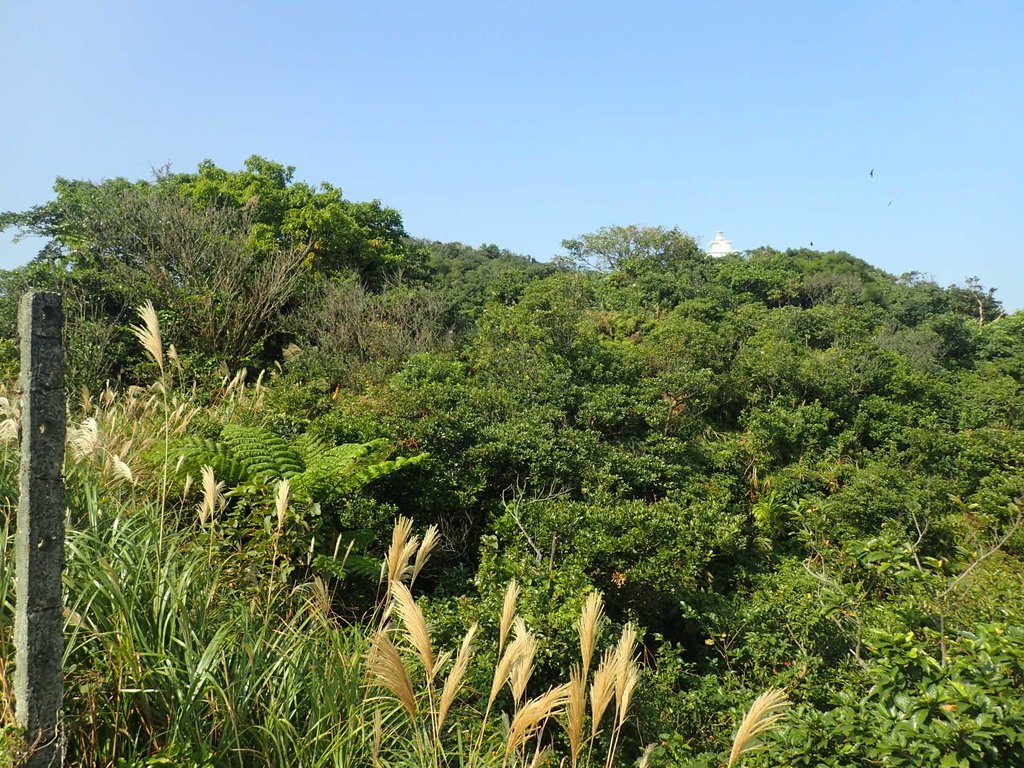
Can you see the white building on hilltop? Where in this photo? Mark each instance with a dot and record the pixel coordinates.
(720, 246)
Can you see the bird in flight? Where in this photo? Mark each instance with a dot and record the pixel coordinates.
(890, 203)
(871, 173)
(812, 243)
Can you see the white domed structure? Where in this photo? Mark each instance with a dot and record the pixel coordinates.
(720, 246)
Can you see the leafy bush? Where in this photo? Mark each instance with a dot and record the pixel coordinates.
(957, 709)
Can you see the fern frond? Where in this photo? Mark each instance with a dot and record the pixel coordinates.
(367, 474)
(189, 455)
(267, 456)
(309, 447)
(344, 469)
(313, 450)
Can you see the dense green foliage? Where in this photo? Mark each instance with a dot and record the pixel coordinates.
(786, 468)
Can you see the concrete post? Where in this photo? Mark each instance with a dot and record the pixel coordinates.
(39, 542)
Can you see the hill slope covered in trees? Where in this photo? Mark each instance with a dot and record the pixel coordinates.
(784, 469)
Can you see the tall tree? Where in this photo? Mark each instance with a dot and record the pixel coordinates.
(221, 253)
(627, 247)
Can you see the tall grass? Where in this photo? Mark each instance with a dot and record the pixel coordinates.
(168, 657)
(6, 621)
(165, 654)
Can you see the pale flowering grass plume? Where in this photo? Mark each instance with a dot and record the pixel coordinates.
(213, 500)
(532, 716)
(187, 487)
(86, 401)
(540, 757)
(764, 716)
(625, 651)
(385, 668)
(84, 440)
(257, 392)
(632, 679)
(602, 690)
(235, 394)
(125, 447)
(179, 419)
(522, 669)
(453, 683)
(10, 419)
(415, 624)
(575, 711)
(281, 502)
(403, 546)
(148, 334)
(587, 626)
(508, 612)
(172, 355)
(522, 645)
(8, 431)
(9, 406)
(127, 424)
(108, 396)
(378, 736)
(626, 675)
(318, 602)
(401, 647)
(120, 471)
(234, 385)
(426, 548)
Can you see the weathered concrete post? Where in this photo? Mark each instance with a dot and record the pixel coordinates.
(39, 542)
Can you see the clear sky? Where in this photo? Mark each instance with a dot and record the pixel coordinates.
(524, 123)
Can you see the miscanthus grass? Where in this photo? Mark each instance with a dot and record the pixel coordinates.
(166, 655)
(415, 685)
(170, 661)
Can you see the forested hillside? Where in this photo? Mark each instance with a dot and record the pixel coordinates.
(781, 469)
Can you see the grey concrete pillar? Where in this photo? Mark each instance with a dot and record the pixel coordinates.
(39, 542)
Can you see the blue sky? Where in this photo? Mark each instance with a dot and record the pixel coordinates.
(525, 123)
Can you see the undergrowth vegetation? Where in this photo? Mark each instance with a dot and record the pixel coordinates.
(652, 507)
